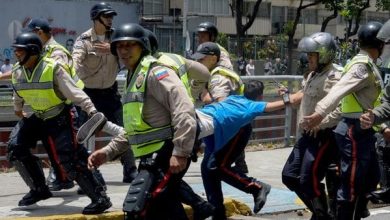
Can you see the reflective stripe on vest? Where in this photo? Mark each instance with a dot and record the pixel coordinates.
(231, 74)
(349, 104)
(143, 138)
(177, 63)
(38, 91)
(48, 52)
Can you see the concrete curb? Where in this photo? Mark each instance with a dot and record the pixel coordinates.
(233, 207)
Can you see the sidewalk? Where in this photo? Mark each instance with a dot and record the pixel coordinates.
(66, 204)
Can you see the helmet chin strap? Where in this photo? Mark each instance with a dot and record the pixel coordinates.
(108, 28)
(25, 59)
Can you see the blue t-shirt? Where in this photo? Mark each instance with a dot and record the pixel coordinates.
(230, 115)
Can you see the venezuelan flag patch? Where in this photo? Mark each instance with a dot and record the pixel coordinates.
(162, 74)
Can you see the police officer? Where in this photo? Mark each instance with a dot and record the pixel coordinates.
(47, 86)
(52, 49)
(195, 76)
(192, 73)
(223, 83)
(381, 114)
(98, 69)
(307, 164)
(159, 120)
(358, 90)
(208, 32)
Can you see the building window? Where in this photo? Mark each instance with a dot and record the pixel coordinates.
(153, 7)
(209, 7)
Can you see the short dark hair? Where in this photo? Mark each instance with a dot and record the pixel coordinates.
(253, 89)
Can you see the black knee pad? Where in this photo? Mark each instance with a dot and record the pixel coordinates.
(138, 195)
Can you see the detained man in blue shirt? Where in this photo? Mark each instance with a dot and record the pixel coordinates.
(219, 124)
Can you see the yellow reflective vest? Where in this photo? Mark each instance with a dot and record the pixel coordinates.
(143, 138)
(350, 104)
(177, 63)
(48, 52)
(38, 89)
(231, 74)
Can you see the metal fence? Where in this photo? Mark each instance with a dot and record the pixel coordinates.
(269, 127)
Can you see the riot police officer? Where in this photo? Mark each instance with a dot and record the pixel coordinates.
(208, 32)
(159, 119)
(48, 87)
(98, 69)
(358, 90)
(381, 114)
(195, 76)
(307, 164)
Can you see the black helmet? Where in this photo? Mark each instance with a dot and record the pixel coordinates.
(321, 43)
(209, 28)
(130, 31)
(152, 40)
(101, 8)
(367, 35)
(28, 41)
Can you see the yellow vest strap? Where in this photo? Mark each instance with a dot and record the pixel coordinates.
(35, 85)
(50, 113)
(133, 97)
(161, 134)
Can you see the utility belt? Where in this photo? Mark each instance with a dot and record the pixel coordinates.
(51, 113)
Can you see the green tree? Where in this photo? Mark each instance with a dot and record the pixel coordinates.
(352, 12)
(331, 5)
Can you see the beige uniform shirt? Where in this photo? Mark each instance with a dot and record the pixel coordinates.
(221, 86)
(316, 87)
(65, 88)
(96, 70)
(166, 102)
(359, 80)
(199, 76)
(57, 54)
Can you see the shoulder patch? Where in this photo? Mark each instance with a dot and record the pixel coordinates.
(331, 75)
(161, 73)
(360, 71)
(78, 44)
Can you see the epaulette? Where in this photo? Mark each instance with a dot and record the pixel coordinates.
(85, 36)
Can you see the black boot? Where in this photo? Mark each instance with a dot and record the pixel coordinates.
(361, 210)
(201, 208)
(30, 169)
(55, 184)
(345, 210)
(95, 191)
(34, 196)
(320, 208)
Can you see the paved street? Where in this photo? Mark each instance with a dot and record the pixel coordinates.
(265, 165)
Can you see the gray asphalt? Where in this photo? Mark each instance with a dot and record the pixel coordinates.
(264, 165)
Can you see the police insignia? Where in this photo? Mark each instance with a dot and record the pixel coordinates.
(139, 81)
(360, 72)
(78, 44)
